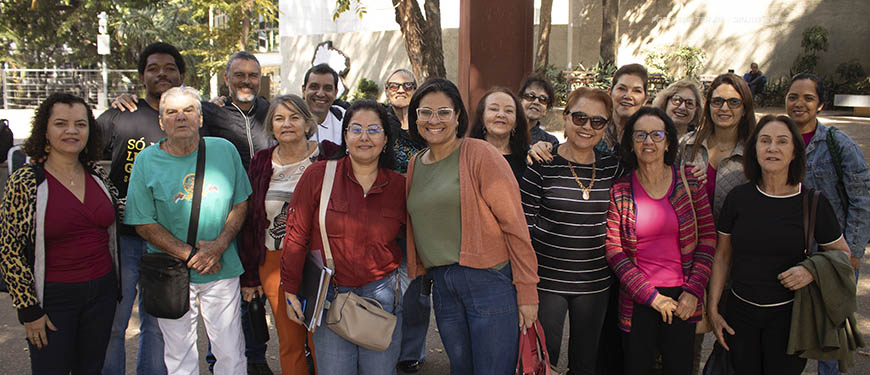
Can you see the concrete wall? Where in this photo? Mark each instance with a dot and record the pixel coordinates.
(732, 33)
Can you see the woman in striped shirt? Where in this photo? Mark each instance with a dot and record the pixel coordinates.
(660, 243)
(565, 203)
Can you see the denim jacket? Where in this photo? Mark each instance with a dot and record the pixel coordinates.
(822, 176)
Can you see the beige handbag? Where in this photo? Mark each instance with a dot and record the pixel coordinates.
(362, 321)
(704, 325)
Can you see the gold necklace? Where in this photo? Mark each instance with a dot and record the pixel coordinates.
(64, 176)
(584, 189)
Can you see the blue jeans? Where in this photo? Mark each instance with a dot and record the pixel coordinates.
(82, 313)
(415, 317)
(337, 356)
(477, 316)
(833, 367)
(150, 353)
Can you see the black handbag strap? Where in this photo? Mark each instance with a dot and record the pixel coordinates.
(809, 212)
(197, 195)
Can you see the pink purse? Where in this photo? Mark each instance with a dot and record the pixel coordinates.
(533, 358)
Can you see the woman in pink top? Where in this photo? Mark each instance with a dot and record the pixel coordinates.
(660, 242)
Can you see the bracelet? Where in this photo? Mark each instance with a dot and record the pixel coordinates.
(192, 253)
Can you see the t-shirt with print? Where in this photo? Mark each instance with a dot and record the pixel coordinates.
(125, 135)
(161, 191)
(281, 186)
(767, 238)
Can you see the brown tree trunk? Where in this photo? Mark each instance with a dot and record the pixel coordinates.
(542, 57)
(422, 36)
(246, 25)
(609, 23)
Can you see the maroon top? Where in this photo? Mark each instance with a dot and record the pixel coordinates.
(361, 228)
(710, 185)
(76, 233)
(808, 137)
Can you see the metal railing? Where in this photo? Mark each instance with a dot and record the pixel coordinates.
(26, 88)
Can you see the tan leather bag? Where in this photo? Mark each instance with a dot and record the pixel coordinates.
(362, 321)
(704, 325)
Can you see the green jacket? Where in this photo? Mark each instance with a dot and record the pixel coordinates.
(823, 325)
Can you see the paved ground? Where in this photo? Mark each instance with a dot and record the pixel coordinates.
(14, 358)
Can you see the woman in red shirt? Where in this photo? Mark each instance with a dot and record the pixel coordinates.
(58, 229)
(365, 212)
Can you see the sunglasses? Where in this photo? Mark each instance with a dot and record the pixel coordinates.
(733, 103)
(640, 136)
(543, 99)
(580, 118)
(408, 86)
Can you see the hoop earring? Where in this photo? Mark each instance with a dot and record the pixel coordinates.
(47, 149)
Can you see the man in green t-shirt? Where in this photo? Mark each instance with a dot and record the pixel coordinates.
(159, 200)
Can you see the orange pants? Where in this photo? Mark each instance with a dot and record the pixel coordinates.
(291, 336)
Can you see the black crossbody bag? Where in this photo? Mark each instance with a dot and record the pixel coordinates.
(164, 280)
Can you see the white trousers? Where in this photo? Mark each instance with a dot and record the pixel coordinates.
(220, 305)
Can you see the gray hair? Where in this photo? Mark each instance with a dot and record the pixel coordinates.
(181, 91)
(244, 55)
(295, 103)
(402, 70)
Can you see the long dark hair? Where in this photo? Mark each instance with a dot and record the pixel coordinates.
(746, 124)
(387, 159)
(34, 146)
(519, 138)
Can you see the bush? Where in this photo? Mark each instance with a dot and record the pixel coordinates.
(676, 62)
(815, 39)
(366, 89)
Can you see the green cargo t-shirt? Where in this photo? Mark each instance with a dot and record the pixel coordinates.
(161, 191)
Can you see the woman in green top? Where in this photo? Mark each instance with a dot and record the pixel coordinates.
(485, 276)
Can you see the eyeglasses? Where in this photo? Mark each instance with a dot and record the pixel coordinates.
(580, 118)
(408, 86)
(640, 136)
(427, 114)
(543, 99)
(679, 100)
(371, 130)
(733, 103)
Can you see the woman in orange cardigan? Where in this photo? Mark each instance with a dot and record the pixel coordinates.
(466, 229)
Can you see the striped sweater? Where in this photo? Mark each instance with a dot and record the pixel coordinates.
(621, 244)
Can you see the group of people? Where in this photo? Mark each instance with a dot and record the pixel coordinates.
(630, 228)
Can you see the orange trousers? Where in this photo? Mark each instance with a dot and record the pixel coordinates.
(291, 336)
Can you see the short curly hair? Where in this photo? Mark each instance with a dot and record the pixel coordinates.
(34, 146)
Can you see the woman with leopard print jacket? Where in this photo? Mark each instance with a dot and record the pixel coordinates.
(58, 243)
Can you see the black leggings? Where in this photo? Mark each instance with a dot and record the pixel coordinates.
(650, 336)
(586, 316)
(760, 339)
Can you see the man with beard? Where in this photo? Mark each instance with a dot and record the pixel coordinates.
(126, 133)
(239, 119)
(319, 88)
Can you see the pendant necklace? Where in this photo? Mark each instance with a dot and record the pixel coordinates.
(584, 189)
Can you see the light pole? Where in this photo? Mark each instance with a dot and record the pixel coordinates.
(103, 49)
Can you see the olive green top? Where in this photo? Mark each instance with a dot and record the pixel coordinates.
(434, 207)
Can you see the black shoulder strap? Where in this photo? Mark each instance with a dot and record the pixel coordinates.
(197, 194)
(811, 205)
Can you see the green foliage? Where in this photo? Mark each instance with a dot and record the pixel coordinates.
(602, 73)
(64, 33)
(676, 62)
(554, 75)
(774, 92)
(366, 89)
(342, 6)
(815, 39)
